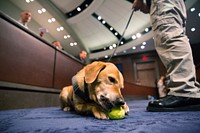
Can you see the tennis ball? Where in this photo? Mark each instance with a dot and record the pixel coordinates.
(116, 113)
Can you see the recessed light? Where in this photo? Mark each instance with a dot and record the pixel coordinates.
(142, 47)
(49, 20)
(138, 35)
(71, 44)
(146, 29)
(134, 37)
(39, 11)
(78, 9)
(53, 19)
(133, 47)
(61, 28)
(43, 10)
(144, 43)
(110, 47)
(193, 29)
(75, 43)
(65, 37)
(58, 29)
(192, 9)
(99, 18)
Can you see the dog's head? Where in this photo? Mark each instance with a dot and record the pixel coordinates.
(104, 83)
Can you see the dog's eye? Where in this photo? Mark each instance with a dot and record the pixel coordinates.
(112, 79)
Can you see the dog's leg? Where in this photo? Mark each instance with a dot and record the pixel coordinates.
(66, 98)
(91, 108)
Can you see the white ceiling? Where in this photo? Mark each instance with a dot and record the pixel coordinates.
(89, 33)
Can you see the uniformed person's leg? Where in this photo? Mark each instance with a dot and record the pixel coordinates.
(168, 22)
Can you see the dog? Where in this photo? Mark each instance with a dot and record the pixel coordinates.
(95, 90)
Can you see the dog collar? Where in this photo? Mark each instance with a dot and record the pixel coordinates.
(82, 94)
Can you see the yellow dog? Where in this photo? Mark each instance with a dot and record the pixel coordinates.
(95, 90)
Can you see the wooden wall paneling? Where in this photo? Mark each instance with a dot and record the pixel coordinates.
(24, 58)
(65, 69)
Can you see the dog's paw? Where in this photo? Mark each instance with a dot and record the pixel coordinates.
(66, 109)
(100, 114)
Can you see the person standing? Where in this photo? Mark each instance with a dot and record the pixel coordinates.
(57, 45)
(168, 18)
(82, 56)
(25, 18)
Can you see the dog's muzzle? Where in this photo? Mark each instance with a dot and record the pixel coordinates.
(108, 104)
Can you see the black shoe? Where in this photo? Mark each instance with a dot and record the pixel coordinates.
(174, 103)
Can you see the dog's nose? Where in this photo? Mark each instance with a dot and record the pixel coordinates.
(119, 102)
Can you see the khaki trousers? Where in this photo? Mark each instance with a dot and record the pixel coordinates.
(168, 19)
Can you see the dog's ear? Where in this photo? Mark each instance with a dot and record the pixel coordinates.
(92, 70)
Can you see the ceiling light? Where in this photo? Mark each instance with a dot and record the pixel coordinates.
(116, 33)
(110, 47)
(114, 45)
(111, 28)
(142, 47)
(27, 1)
(49, 20)
(144, 43)
(68, 36)
(124, 51)
(103, 22)
(133, 47)
(106, 56)
(99, 18)
(122, 42)
(71, 44)
(75, 43)
(78, 9)
(199, 14)
(61, 28)
(138, 35)
(192, 9)
(43, 10)
(65, 37)
(134, 37)
(193, 29)
(86, 5)
(53, 19)
(146, 29)
(58, 29)
(39, 11)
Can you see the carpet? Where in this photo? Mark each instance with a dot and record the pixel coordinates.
(53, 119)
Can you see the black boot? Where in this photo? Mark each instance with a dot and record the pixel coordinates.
(174, 103)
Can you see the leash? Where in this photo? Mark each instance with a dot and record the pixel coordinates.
(121, 36)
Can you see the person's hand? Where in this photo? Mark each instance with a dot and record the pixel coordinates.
(139, 5)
